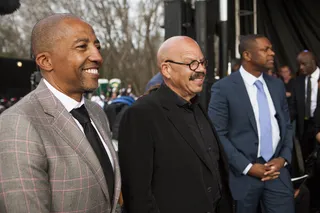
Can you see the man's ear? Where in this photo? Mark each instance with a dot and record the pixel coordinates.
(44, 61)
(246, 55)
(165, 70)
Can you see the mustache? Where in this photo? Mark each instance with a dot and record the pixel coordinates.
(197, 75)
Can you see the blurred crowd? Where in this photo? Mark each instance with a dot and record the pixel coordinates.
(6, 103)
(104, 98)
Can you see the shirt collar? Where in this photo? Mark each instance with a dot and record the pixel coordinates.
(249, 78)
(316, 74)
(66, 101)
(189, 105)
(182, 102)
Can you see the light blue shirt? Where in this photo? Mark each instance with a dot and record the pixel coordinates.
(249, 81)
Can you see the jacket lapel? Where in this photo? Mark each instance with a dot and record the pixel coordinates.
(318, 94)
(242, 94)
(65, 126)
(273, 93)
(173, 113)
(105, 134)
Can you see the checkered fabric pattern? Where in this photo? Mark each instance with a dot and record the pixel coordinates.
(46, 162)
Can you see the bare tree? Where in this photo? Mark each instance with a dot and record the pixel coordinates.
(129, 31)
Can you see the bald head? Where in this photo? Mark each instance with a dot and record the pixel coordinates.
(182, 65)
(307, 62)
(174, 47)
(307, 55)
(45, 32)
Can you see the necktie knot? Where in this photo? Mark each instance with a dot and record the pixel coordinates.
(81, 114)
(258, 84)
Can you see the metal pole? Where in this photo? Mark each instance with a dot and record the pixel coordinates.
(202, 39)
(201, 24)
(255, 29)
(237, 26)
(223, 59)
(173, 18)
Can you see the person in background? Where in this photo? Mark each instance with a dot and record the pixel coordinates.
(155, 80)
(286, 76)
(306, 111)
(305, 101)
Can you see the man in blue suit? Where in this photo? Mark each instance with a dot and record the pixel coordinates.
(250, 113)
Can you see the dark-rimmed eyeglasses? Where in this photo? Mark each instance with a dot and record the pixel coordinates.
(193, 65)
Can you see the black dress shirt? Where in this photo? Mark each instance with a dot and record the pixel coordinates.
(200, 127)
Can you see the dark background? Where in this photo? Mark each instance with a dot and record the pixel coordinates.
(14, 80)
(291, 25)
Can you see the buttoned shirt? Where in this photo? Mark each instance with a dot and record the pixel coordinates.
(314, 89)
(249, 81)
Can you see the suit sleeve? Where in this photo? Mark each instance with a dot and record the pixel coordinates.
(293, 102)
(136, 160)
(24, 185)
(219, 115)
(286, 150)
(317, 114)
(317, 119)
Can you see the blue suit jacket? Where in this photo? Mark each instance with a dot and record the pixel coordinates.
(231, 112)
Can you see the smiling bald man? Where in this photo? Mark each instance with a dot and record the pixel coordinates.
(170, 156)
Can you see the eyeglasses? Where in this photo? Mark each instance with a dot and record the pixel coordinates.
(193, 65)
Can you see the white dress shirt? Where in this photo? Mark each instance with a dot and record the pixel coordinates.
(314, 89)
(71, 104)
(249, 81)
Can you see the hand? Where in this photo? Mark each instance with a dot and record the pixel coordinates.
(271, 176)
(318, 137)
(288, 94)
(274, 166)
(257, 170)
(296, 193)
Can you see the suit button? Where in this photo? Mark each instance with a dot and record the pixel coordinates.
(209, 149)
(209, 189)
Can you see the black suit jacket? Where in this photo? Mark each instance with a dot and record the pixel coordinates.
(297, 105)
(161, 163)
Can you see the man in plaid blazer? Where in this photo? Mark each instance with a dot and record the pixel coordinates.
(46, 161)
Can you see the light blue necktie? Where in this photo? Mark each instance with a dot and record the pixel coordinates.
(266, 150)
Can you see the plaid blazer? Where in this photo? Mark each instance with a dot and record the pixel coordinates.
(46, 162)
